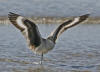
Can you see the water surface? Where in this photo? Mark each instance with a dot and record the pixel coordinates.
(77, 50)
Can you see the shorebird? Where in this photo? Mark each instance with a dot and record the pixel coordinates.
(33, 37)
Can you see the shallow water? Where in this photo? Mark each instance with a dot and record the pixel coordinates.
(77, 50)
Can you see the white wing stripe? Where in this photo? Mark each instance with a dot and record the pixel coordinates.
(20, 22)
(68, 25)
(25, 32)
(75, 21)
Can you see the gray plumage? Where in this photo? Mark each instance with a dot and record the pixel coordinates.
(30, 31)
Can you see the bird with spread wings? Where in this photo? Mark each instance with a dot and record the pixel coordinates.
(33, 37)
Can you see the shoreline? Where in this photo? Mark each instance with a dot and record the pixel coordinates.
(51, 20)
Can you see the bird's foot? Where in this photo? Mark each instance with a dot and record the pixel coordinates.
(36, 63)
(40, 62)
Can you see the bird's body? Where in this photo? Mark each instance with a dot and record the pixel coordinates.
(45, 46)
(34, 39)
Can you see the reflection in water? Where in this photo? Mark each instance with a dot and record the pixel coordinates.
(11, 60)
(39, 68)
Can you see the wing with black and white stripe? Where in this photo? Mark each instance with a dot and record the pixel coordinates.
(27, 27)
(70, 23)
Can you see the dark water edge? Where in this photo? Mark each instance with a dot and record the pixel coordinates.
(52, 20)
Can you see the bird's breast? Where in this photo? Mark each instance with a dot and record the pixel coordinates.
(45, 46)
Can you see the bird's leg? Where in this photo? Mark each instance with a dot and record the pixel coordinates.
(41, 58)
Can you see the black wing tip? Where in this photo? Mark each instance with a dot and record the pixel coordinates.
(12, 14)
(84, 17)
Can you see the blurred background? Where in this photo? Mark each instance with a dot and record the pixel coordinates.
(53, 8)
(50, 11)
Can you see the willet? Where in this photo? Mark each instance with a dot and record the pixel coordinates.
(30, 30)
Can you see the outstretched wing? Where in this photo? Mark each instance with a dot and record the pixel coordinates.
(70, 23)
(27, 27)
